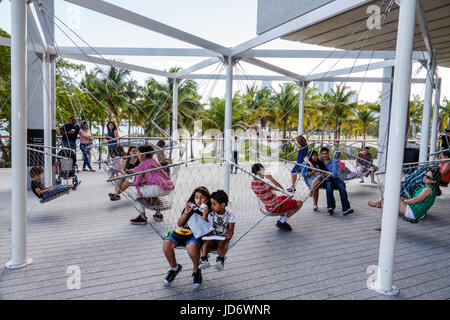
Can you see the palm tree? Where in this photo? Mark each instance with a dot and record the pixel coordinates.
(286, 106)
(158, 101)
(259, 104)
(338, 102)
(312, 106)
(365, 119)
(132, 91)
(415, 114)
(214, 116)
(109, 86)
(445, 112)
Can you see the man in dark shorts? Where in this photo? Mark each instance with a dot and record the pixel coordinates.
(364, 165)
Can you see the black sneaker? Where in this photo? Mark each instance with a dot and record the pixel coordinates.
(410, 220)
(348, 211)
(114, 197)
(330, 211)
(76, 184)
(197, 278)
(171, 275)
(283, 226)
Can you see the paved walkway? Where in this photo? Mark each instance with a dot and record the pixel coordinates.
(324, 257)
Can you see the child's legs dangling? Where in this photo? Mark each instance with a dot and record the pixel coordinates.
(169, 252)
(194, 253)
(222, 248)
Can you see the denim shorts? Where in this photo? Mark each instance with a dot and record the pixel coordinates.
(185, 242)
(309, 180)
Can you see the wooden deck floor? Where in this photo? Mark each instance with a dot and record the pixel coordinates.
(324, 257)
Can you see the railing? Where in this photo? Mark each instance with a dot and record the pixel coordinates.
(188, 144)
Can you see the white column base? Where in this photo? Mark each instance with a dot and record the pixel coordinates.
(10, 265)
(392, 292)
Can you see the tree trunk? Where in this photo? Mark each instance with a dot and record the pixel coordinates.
(364, 138)
(336, 124)
(109, 111)
(192, 150)
(290, 127)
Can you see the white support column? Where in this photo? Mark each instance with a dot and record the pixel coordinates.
(227, 125)
(301, 109)
(383, 130)
(434, 126)
(401, 91)
(47, 103)
(175, 110)
(19, 136)
(426, 116)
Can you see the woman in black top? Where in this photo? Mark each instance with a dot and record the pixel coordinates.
(128, 166)
(445, 140)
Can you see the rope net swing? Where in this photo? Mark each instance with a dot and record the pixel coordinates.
(65, 173)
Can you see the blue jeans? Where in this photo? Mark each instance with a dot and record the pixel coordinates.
(336, 183)
(235, 158)
(54, 191)
(85, 151)
(71, 145)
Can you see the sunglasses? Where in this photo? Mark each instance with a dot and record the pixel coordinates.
(429, 177)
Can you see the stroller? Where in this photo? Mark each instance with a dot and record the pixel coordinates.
(65, 166)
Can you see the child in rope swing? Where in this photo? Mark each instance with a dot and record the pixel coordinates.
(198, 205)
(116, 166)
(49, 193)
(150, 185)
(161, 155)
(343, 172)
(273, 204)
(223, 222)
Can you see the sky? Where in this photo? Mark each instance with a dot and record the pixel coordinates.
(227, 23)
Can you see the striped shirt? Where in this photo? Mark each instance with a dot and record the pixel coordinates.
(264, 192)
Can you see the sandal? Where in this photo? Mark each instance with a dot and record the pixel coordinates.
(374, 204)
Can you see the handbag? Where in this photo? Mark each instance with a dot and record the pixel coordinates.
(182, 234)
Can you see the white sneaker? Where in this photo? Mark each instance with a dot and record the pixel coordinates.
(204, 264)
(219, 264)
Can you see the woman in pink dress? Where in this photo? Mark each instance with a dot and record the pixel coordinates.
(150, 185)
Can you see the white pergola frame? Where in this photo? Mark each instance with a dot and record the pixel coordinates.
(401, 59)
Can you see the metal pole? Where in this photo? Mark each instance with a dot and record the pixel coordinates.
(19, 136)
(227, 125)
(301, 109)
(383, 131)
(174, 111)
(401, 90)
(434, 127)
(426, 116)
(46, 86)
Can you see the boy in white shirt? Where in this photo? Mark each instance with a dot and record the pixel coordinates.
(223, 222)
